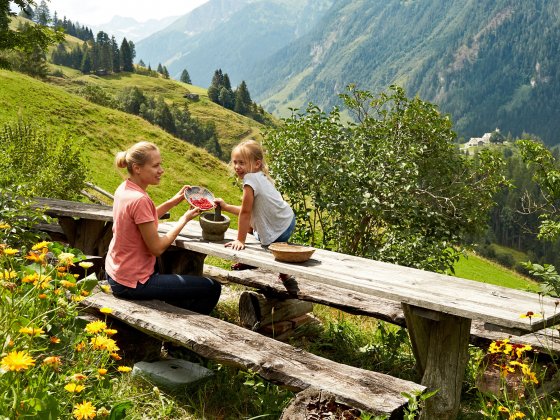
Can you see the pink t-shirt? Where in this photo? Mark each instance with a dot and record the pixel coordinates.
(129, 261)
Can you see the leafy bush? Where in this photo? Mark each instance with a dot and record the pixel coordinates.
(44, 165)
(18, 217)
(391, 186)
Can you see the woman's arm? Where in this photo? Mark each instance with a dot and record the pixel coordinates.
(158, 244)
(244, 222)
(172, 202)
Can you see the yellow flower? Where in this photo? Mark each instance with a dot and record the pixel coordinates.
(516, 415)
(31, 331)
(32, 278)
(77, 298)
(110, 331)
(503, 409)
(80, 346)
(17, 360)
(8, 275)
(530, 314)
(10, 251)
(74, 388)
(66, 258)
(4, 226)
(104, 343)
(53, 361)
(95, 327)
(42, 296)
(84, 293)
(40, 245)
(103, 412)
(84, 411)
(85, 265)
(102, 371)
(115, 356)
(43, 281)
(67, 284)
(106, 310)
(124, 369)
(79, 377)
(55, 340)
(106, 288)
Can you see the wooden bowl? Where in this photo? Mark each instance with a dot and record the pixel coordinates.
(286, 252)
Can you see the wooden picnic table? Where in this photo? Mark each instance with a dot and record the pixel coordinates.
(438, 309)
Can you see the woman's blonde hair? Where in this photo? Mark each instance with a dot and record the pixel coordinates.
(136, 154)
(251, 151)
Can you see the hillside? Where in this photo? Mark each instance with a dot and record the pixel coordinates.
(488, 63)
(102, 132)
(229, 34)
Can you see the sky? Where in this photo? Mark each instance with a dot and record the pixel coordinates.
(95, 12)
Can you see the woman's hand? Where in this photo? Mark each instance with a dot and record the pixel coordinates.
(236, 245)
(191, 213)
(180, 196)
(220, 202)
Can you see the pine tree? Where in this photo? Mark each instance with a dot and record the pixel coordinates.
(126, 56)
(42, 14)
(185, 77)
(116, 56)
(242, 99)
(160, 68)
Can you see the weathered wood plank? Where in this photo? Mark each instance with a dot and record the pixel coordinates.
(547, 340)
(273, 360)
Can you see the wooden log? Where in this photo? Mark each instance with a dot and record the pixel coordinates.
(256, 311)
(275, 361)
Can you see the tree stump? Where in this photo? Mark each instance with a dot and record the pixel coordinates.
(256, 311)
(318, 404)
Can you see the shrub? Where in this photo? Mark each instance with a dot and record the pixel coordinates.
(45, 165)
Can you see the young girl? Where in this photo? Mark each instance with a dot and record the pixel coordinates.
(262, 210)
(136, 241)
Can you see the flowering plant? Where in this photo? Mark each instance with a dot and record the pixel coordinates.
(51, 365)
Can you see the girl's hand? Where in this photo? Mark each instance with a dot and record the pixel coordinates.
(236, 245)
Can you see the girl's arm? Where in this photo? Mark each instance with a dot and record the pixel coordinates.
(158, 244)
(172, 202)
(244, 222)
(230, 208)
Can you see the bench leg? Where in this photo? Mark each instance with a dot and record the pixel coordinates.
(440, 345)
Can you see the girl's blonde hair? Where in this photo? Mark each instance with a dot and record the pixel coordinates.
(251, 151)
(137, 153)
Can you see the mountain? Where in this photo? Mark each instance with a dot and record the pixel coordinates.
(488, 63)
(129, 28)
(229, 34)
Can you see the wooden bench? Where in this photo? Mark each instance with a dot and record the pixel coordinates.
(273, 360)
(356, 303)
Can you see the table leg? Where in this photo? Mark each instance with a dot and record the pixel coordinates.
(440, 344)
(181, 261)
(89, 236)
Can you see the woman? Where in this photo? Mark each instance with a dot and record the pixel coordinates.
(136, 242)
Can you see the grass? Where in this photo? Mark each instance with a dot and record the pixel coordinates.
(474, 267)
(102, 132)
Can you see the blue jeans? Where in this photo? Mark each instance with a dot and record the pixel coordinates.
(285, 236)
(195, 293)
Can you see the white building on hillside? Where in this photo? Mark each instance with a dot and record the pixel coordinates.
(481, 141)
